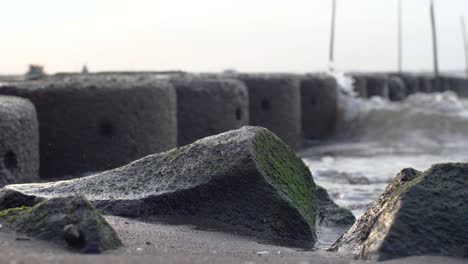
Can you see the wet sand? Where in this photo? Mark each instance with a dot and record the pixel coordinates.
(156, 242)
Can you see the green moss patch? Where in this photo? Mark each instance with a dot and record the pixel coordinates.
(285, 170)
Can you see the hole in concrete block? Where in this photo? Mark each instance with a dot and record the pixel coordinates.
(313, 100)
(10, 160)
(106, 129)
(266, 105)
(238, 113)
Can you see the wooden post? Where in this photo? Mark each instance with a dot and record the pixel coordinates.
(465, 43)
(434, 40)
(332, 37)
(400, 37)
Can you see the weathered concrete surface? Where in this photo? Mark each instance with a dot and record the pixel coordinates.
(426, 84)
(319, 101)
(209, 106)
(411, 82)
(69, 220)
(420, 213)
(92, 123)
(19, 141)
(377, 85)
(396, 88)
(360, 85)
(247, 180)
(275, 103)
(457, 85)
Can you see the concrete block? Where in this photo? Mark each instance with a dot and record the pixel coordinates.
(319, 101)
(209, 106)
(19, 141)
(92, 123)
(396, 88)
(275, 103)
(377, 86)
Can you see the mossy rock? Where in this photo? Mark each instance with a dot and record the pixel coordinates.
(329, 214)
(420, 213)
(246, 180)
(69, 220)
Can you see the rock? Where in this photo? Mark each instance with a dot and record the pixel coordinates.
(19, 141)
(92, 123)
(245, 180)
(275, 103)
(72, 220)
(319, 95)
(329, 214)
(209, 106)
(420, 213)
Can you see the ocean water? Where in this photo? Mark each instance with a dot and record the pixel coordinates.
(375, 139)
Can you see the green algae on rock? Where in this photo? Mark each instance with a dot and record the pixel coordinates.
(420, 213)
(246, 181)
(69, 219)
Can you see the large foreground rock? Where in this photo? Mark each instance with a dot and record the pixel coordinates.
(246, 179)
(69, 220)
(420, 213)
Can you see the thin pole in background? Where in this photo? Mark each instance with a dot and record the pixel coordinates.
(332, 37)
(400, 37)
(465, 43)
(434, 41)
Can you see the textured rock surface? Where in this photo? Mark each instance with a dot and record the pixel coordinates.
(245, 179)
(93, 123)
(275, 103)
(420, 213)
(19, 141)
(319, 95)
(329, 214)
(209, 106)
(70, 220)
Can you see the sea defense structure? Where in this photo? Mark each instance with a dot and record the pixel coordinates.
(377, 85)
(275, 103)
(426, 84)
(319, 102)
(457, 85)
(209, 106)
(360, 85)
(19, 141)
(92, 123)
(396, 88)
(411, 82)
(419, 213)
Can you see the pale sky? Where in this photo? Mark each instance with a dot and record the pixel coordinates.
(212, 35)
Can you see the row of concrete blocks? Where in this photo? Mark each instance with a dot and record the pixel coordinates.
(397, 87)
(96, 122)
